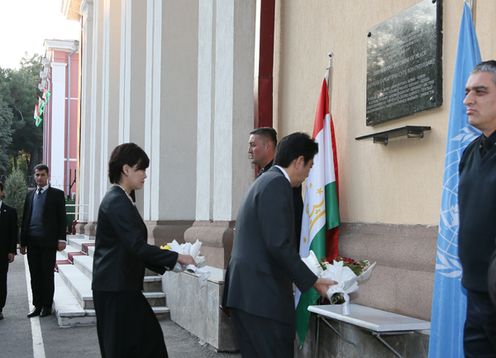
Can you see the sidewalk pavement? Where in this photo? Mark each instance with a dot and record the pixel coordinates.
(16, 331)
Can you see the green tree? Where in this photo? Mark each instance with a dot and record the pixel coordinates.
(5, 135)
(19, 91)
(15, 191)
(24, 95)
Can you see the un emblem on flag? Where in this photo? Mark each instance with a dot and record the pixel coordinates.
(447, 262)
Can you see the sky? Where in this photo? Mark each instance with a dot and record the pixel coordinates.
(25, 24)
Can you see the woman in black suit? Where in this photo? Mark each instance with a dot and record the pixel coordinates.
(126, 324)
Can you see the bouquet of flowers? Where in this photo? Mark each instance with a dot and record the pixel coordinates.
(186, 249)
(346, 272)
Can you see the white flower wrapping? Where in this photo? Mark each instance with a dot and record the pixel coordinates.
(188, 249)
(347, 281)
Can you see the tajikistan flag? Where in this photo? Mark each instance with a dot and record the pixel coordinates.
(320, 210)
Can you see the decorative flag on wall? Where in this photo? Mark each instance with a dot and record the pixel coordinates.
(320, 209)
(449, 297)
(36, 116)
(40, 108)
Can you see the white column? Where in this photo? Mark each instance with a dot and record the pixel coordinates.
(225, 106)
(84, 180)
(179, 108)
(152, 107)
(125, 72)
(94, 118)
(206, 80)
(57, 157)
(234, 68)
(109, 125)
(170, 119)
(226, 37)
(132, 72)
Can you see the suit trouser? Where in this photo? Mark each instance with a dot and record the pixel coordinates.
(4, 268)
(41, 261)
(479, 336)
(260, 337)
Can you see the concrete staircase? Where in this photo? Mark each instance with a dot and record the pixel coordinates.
(73, 299)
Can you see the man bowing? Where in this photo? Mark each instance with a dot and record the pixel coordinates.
(264, 261)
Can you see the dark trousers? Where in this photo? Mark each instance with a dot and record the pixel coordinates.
(127, 327)
(260, 337)
(479, 336)
(41, 261)
(4, 268)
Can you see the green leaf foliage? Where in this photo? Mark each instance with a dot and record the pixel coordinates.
(5, 134)
(15, 191)
(19, 93)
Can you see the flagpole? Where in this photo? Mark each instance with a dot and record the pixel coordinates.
(472, 4)
(329, 76)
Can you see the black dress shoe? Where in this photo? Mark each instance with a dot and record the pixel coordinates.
(46, 311)
(36, 312)
(1, 315)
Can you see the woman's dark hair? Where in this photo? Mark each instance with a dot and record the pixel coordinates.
(294, 145)
(127, 153)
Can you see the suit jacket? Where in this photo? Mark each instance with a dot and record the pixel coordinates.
(8, 231)
(54, 219)
(297, 206)
(121, 250)
(264, 261)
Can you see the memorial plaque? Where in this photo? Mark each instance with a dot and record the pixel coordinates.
(404, 68)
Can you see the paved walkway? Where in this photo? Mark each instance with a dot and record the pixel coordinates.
(21, 337)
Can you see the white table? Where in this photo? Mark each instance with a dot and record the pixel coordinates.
(376, 321)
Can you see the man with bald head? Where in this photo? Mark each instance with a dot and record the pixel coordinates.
(477, 212)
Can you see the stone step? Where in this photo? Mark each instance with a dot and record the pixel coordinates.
(161, 312)
(80, 236)
(69, 249)
(69, 312)
(67, 308)
(91, 251)
(152, 283)
(70, 252)
(75, 277)
(85, 265)
(79, 284)
(155, 299)
(86, 247)
(81, 243)
(84, 242)
(61, 259)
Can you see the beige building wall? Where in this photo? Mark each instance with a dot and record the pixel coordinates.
(396, 184)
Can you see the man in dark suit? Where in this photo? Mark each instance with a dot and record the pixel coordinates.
(8, 242)
(261, 151)
(43, 232)
(264, 262)
(476, 208)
